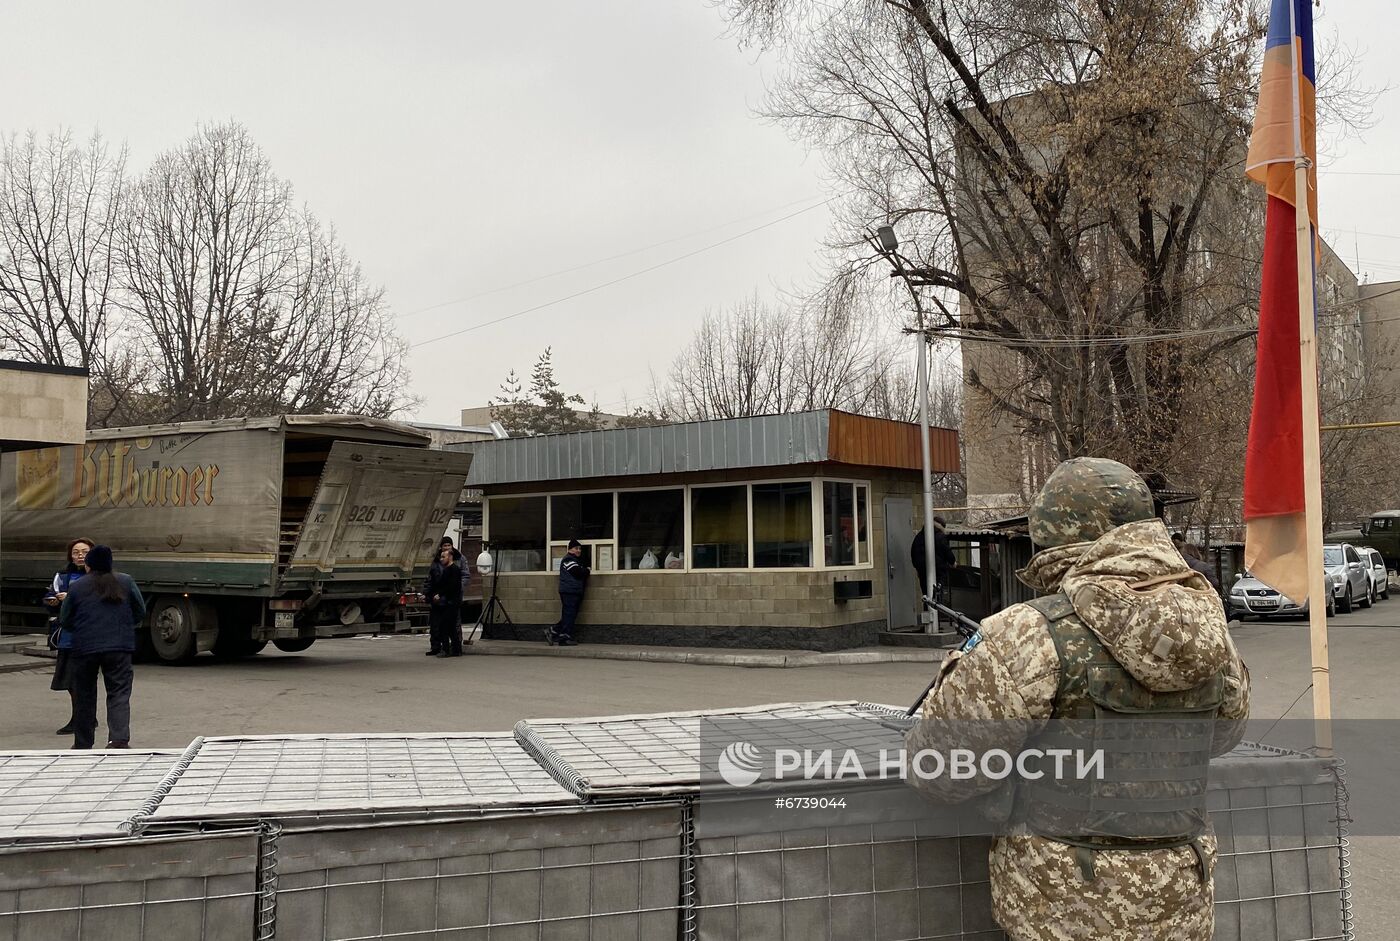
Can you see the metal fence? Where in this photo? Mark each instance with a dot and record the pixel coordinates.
(607, 828)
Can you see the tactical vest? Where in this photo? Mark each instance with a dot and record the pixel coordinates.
(1153, 749)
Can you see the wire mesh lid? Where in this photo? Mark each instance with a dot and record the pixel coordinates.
(235, 777)
(75, 794)
(684, 752)
(1252, 764)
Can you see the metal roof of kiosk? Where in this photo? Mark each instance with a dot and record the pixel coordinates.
(817, 437)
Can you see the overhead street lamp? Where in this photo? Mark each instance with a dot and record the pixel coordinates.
(889, 245)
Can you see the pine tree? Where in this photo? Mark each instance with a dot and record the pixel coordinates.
(547, 409)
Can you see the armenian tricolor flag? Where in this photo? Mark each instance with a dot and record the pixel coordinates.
(1285, 128)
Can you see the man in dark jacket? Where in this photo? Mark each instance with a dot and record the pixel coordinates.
(573, 575)
(444, 591)
(101, 612)
(943, 558)
(1192, 557)
(435, 645)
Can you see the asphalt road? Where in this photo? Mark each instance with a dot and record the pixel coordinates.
(387, 685)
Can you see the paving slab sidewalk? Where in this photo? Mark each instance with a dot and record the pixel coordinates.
(708, 656)
(19, 651)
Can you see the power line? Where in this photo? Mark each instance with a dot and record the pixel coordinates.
(1132, 339)
(1379, 235)
(600, 261)
(972, 335)
(619, 280)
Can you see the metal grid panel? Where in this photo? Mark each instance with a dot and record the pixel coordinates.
(1279, 875)
(677, 752)
(239, 777)
(75, 794)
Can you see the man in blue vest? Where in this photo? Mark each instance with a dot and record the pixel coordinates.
(1125, 634)
(573, 576)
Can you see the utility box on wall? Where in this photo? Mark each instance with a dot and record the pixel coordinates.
(850, 588)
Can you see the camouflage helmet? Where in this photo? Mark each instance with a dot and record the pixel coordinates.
(1084, 498)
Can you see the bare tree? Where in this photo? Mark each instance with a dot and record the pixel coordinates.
(60, 206)
(333, 346)
(833, 349)
(1057, 170)
(1067, 180)
(245, 304)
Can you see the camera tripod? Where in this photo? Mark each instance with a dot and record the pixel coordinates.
(493, 609)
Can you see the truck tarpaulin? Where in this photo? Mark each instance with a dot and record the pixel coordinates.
(192, 494)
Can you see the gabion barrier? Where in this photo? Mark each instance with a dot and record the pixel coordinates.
(605, 828)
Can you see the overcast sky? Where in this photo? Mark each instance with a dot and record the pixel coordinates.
(460, 148)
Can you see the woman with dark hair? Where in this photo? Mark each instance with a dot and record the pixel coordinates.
(61, 640)
(101, 612)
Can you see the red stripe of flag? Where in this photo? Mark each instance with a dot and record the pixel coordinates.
(1273, 468)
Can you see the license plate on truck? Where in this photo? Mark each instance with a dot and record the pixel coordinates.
(285, 619)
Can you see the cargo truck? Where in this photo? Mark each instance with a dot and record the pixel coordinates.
(239, 531)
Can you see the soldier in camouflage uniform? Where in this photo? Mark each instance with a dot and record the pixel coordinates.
(1125, 629)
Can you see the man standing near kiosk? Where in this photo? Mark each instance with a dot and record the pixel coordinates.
(573, 576)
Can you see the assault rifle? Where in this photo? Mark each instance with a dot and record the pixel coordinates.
(965, 626)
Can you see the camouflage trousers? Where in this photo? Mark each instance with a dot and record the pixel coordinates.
(1040, 894)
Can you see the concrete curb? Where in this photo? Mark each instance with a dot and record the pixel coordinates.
(774, 659)
(9, 666)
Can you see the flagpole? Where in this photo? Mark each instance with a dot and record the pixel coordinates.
(1312, 467)
(1312, 435)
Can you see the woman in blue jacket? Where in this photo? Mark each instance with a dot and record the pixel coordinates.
(58, 590)
(102, 611)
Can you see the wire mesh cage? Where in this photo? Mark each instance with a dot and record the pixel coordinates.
(602, 828)
(1283, 869)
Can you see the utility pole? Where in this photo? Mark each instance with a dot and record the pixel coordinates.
(928, 615)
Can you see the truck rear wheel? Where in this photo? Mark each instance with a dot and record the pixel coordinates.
(172, 630)
(293, 644)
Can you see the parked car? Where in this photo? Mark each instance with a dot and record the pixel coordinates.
(1249, 597)
(1380, 575)
(1353, 584)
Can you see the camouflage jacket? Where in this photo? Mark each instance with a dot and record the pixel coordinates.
(1131, 588)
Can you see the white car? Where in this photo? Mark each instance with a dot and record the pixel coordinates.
(1354, 576)
(1249, 597)
(1380, 575)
